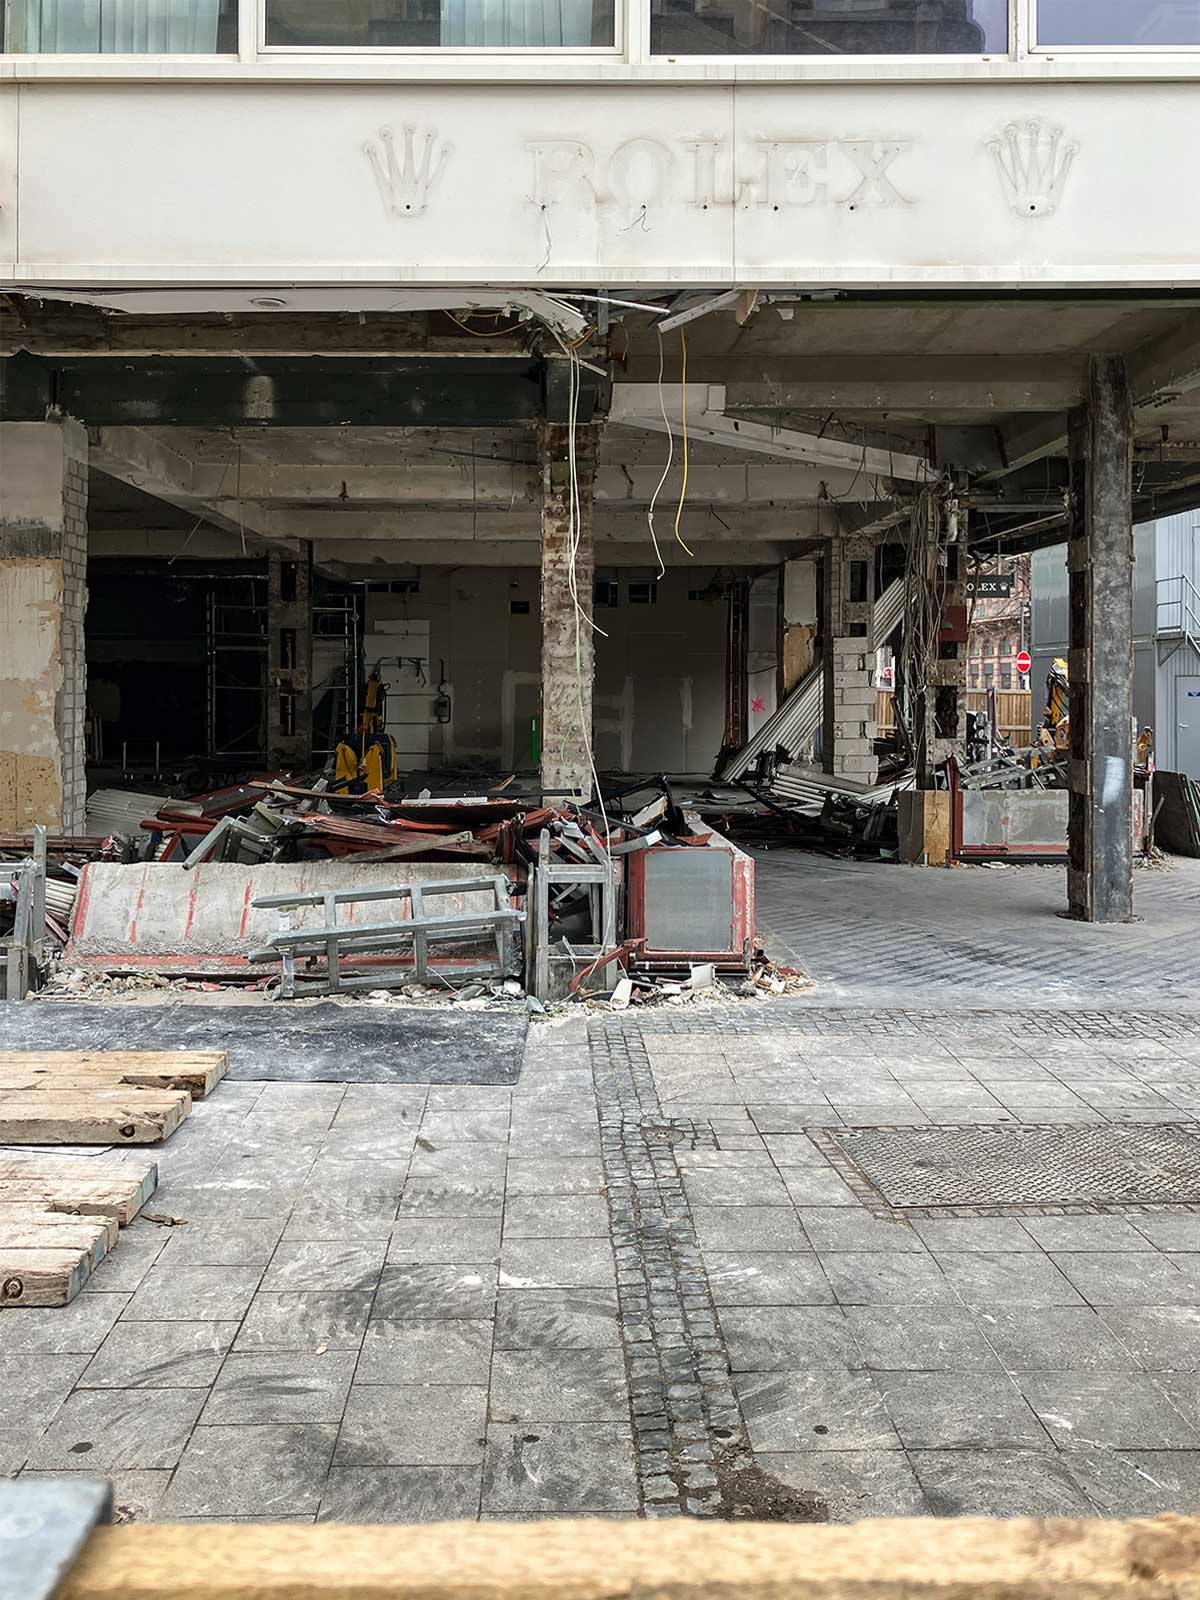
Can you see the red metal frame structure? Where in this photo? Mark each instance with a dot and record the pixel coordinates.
(736, 952)
(1051, 852)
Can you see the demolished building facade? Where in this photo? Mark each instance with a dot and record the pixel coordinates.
(595, 394)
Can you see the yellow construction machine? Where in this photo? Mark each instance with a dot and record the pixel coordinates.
(1054, 735)
(366, 760)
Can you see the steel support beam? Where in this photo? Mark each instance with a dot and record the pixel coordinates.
(281, 392)
(916, 384)
(1100, 562)
(699, 409)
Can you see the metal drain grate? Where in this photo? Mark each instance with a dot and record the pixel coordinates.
(992, 1167)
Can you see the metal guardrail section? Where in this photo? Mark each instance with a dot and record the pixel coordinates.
(23, 950)
(337, 941)
(1177, 620)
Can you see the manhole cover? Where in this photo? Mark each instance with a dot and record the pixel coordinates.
(1040, 1165)
(693, 1135)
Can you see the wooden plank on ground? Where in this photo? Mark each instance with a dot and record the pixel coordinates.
(91, 1116)
(85, 1185)
(86, 1236)
(926, 1558)
(47, 1276)
(58, 1220)
(197, 1071)
(60, 1228)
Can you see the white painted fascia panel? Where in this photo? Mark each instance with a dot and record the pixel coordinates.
(9, 126)
(554, 186)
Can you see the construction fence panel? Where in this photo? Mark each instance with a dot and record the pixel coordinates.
(1014, 712)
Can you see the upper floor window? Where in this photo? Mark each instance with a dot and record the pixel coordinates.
(1118, 22)
(816, 29)
(121, 27)
(829, 27)
(463, 24)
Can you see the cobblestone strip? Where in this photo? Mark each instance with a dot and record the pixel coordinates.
(687, 1423)
(1113, 1027)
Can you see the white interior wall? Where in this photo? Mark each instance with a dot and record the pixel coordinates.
(763, 650)
(659, 701)
(800, 593)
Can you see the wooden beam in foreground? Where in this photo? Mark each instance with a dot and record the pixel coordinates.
(951, 1559)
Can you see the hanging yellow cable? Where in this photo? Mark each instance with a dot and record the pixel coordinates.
(683, 425)
(481, 333)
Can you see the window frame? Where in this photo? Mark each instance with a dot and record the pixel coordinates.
(254, 58)
(436, 52)
(1018, 24)
(126, 58)
(1137, 52)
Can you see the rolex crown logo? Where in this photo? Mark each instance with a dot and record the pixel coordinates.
(407, 175)
(1032, 159)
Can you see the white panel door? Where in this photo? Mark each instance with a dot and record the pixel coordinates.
(1187, 724)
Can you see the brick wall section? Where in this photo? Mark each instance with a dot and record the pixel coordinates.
(72, 708)
(567, 643)
(849, 686)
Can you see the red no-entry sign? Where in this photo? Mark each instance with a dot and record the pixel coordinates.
(1024, 661)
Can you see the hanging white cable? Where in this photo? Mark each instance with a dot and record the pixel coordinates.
(662, 406)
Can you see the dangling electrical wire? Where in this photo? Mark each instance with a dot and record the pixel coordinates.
(662, 406)
(684, 431)
(671, 455)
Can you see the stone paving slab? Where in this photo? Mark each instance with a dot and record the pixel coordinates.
(602, 1291)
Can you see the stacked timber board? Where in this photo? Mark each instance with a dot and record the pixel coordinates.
(59, 1218)
(109, 1097)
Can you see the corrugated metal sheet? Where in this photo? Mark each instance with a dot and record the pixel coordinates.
(120, 811)
(805, 789)
(798, 718)
(1178, 540)
(886, 613)
(792, 726)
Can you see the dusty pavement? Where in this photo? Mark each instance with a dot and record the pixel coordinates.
(659, 1274)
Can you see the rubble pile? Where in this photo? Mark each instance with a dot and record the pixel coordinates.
(631, 896)
(801, 807)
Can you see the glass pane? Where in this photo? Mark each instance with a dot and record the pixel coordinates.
(468, 24)
(1118, 22)
(828, 27)
(121, 27)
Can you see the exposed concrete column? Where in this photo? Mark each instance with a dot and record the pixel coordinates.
(1100, 561)
(849, 727)
(289, 656)
(568, 581)
(43, 597)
